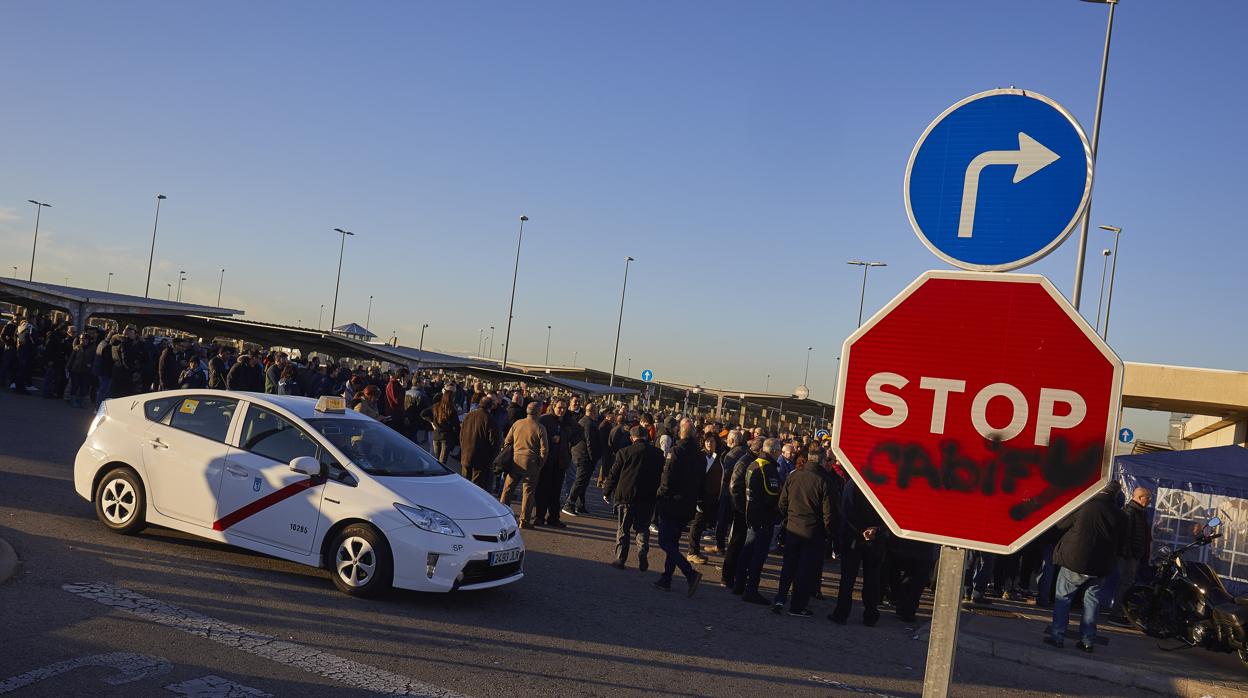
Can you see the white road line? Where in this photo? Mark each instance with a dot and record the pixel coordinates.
(291, 654)
(211, 686)
(130, 667)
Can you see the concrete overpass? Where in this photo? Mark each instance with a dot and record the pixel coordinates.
(1219, 398)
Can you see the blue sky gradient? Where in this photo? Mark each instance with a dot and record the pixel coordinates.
(741, 152)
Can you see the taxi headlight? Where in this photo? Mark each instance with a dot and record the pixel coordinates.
(430, 520)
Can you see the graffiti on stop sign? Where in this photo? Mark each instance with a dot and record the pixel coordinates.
(976, 409)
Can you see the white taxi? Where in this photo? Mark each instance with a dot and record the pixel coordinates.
(299, 479)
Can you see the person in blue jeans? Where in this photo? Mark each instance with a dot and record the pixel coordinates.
(1085, 553)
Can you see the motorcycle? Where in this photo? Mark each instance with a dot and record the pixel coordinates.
(1186, 600)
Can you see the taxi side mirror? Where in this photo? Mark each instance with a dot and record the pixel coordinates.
(307, 465)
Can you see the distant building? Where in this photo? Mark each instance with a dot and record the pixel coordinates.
(353, 330)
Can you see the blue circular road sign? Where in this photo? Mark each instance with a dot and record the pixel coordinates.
(646, 375)
(998, 180)
(1125, 435)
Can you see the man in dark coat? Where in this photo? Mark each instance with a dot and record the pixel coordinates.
(170, 365)
(862, 539)
(1137, 540)
(679, 492)
(241, 376)
(218, 369)
(708, 500)
(478, 444)
(723, 516)
(807, 514)
(586, 451)
(556, 464)
(1092, 536)
(631, 487)
(734, 564)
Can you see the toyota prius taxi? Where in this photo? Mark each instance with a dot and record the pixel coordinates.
(300, 479)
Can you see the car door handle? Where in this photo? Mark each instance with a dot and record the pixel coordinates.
(157, 443)
(236, 472)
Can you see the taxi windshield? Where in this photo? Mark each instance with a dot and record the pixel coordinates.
(377, 449)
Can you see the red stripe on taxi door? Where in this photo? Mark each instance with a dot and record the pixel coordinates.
(265, 502)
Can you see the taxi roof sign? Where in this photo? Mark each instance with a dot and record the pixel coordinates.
(331, 404)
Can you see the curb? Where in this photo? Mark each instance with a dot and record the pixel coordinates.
(1123, 675)
(8, 561)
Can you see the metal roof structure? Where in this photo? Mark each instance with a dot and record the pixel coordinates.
(355, 330)
(83, 304)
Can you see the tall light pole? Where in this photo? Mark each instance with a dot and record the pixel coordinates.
(181, 278)
(480, 341)
(767, 388)
(619, 325)
(152, 255)
(422, 336)
(1096, 139)
(1100, 303)
(807, 373)
(333, 315)
(512, 305)
(221, 285)
(109, 286)
(863, 296)
(368, 318)
(39, 206)
(547, 346)
(320, 315)
(168, 291)
(629, 371)
(491, 341)
(1113, 272)
(574, 358)
(15, 271)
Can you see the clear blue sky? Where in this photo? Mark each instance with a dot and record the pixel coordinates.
(741, 152)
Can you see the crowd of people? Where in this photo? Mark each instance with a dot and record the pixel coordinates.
(722, 489)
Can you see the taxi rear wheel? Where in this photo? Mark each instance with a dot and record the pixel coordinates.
(360, 561)
(120, 502)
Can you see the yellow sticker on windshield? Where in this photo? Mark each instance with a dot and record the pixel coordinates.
(189, 406)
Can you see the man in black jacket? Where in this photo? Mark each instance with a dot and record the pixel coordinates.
(762, 499)
(1137, 540)
(1092, 536)
(170, 365)
(585, 454)
(807, 514)
(557, 461)
(862, 547)
(679, 491)
(723, 520)
(740, 529)
(632, 486)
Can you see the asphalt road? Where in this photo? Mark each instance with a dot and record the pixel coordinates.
(164, 613)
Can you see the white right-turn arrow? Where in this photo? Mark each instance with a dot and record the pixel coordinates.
(1030, 158)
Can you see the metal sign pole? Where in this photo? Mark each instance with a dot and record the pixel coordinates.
(942, 644)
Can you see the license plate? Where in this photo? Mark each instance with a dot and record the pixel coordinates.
(502, 557)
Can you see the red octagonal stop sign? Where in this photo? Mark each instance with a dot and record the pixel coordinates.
(977, 409)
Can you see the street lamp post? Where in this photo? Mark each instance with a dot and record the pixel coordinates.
(1100, 303)
(547, 346)
(368, 317)
(480, 340)
(1096, 139)
(767, 388)
(511, 306)
(422, 337)
(109, 286)
(181, 278)
(221, 285)
(39, 206)
(807, 373)
(320, 315)
(152, 255)
(1113, 272)
(863, 295)
(574, 358)
(333, 315)
(169, 291)
(491, 341)
(15, 271)
(620, 324)
(629, 370)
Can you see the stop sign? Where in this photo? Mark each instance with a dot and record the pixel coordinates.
(977, 409)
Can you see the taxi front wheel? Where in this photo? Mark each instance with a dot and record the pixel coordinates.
(361, 562)
(120, 502)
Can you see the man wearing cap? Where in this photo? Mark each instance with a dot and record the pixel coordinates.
(529, 446)
(632, 486)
